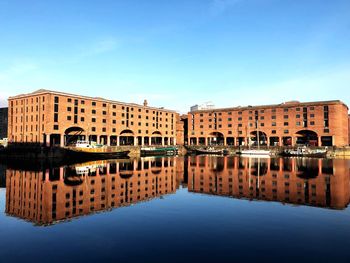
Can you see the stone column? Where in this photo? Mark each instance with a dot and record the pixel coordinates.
(47, 140)
(135, 141)
(108, 140)
(162, 141)
(62, 144)
(118, 137)
(142, 140)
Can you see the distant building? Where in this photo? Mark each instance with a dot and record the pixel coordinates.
(205, 106)
(3, 122)
(57, 118)
(323, 123)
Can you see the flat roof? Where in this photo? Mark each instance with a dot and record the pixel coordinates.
(45, 91)
(281, 105)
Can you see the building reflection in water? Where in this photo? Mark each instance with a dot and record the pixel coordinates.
(315, 182)
(58, 194)
(62, 193)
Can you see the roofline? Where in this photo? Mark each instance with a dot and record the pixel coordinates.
(42, 92)
(281, 105)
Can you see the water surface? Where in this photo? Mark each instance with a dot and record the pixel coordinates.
(195, 209)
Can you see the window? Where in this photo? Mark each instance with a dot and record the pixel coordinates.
(312, 108)
(298, 123)
(104, 105)
(56, 99)
(82, 119)
(82, 102)
(285, 123)
(69, 108)
(273, 117)
(312, 123)
(285, 110)
(55, 127)
(103, 129)
(69, 118)
(93, 103)
(93, 128)
(93, 111)
(286, 131)
(273, 131)
(298, 115)
(273, 124)
(297, 109)
(82, 110)
(285, 116)
(93, 119)
(262, 111)
(104, 112)
(312, 115)
(69, 100)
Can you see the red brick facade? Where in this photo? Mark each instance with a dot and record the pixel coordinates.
(315, 123)
(55, 118)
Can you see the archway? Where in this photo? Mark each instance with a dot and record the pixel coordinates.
(258, 138)
(307, 137)
(73, 134)
(156, 138)
(216, 138)
(126, 137)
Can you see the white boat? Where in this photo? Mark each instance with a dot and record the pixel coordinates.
(255, 152)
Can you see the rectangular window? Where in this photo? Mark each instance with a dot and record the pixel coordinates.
(55, 127)
(55, 117)
(312, 123)
(93, 111)
(93, 103)
(285, 116)
(285, 110)
(69, 108)
(285, 123)
(56, 99)
(286, 131)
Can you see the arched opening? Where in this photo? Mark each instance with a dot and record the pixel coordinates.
(258, 138)
(73, 134)
(55, 140)
(307, 137)
(193, 141)
(156, 138)
(126, 137)
(230, 141)
(113, 140)
(274, 141)
(216, 138)
(146, 140)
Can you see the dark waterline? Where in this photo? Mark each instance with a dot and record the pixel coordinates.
(200, 209)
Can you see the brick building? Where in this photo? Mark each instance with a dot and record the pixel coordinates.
(58, 118)
(315, 182)
(52, 195)
(3, 122)
(323, 123)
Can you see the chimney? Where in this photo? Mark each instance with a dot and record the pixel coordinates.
(145, 103)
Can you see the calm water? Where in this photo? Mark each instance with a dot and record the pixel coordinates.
(195, 209)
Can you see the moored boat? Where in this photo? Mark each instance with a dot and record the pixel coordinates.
(209, 151)
(151, 151)
(305, 152)
(90, 154)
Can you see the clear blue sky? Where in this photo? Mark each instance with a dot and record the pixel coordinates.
(178, 53)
